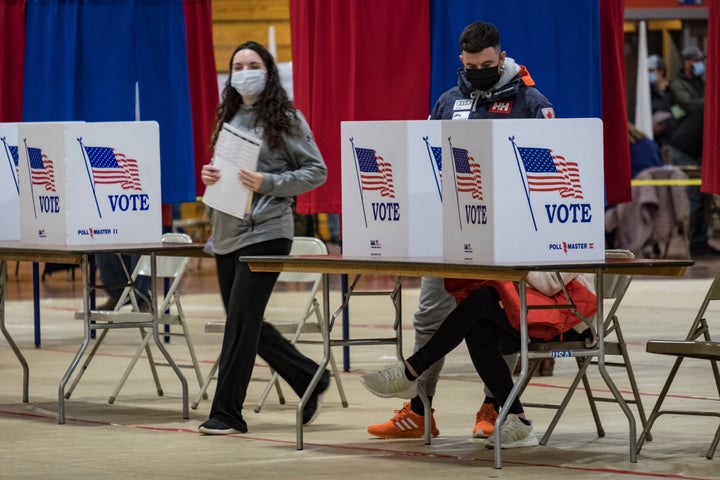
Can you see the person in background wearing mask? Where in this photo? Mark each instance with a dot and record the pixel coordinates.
(685, 145)
(661, 100)
(490, 85)
(688, 87)
(289, 164)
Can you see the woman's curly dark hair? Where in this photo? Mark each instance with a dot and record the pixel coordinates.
(275, 111)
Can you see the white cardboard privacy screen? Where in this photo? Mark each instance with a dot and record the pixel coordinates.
(89, 183)
(391, 189)
(527, 190)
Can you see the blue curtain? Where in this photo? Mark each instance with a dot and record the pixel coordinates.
(557, 40)
(106, 66)
(51, 56)
(82, 62)
(162, 73)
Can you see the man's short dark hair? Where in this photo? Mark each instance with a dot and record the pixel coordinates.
(478, 36)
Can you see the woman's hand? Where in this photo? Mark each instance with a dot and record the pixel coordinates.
(209, 174)
(251, 180)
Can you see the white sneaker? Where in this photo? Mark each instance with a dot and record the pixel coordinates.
(390, 382)
(514, 434)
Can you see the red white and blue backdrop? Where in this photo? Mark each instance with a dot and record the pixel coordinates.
(116, 60)
(352, 60)
(389, 60)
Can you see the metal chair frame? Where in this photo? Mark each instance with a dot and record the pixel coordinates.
(171, 313)
(697, 344)
(614, 288)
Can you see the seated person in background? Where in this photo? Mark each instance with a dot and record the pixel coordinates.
(686, 152)
(660, 99)
(685, 144)
(487, 317)
(644, 153)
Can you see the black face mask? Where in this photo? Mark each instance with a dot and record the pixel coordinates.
(483, 78)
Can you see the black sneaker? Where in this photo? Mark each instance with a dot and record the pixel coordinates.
(216, 427)
(314, 405)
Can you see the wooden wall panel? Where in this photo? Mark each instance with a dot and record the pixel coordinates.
(234, 10)
(236, 21)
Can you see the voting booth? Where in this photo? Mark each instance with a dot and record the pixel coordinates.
(9, 186)
(89, 183)
(525, 190)
(391, 188)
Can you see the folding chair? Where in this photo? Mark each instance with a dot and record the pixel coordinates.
(692, 347)
(309, 321)
(614, 288)
(170, 311)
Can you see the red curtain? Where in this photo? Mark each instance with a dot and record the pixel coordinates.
(614, 110)
(711, 144)
(356, 60)
(203, 80)
(12, 54)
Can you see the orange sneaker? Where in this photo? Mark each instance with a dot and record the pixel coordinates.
(485, 421)
(405, 424)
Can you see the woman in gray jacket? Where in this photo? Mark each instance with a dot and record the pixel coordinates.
(289, 164)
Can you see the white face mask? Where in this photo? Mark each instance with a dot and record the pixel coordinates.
(248, 83)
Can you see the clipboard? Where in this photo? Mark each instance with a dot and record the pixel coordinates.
(234, 150)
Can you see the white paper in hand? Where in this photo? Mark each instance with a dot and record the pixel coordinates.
(233, 150)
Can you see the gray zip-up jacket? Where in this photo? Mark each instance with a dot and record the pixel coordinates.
(287, 172)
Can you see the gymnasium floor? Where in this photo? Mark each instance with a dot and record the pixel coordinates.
(144, 435)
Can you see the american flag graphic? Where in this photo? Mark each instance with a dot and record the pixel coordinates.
(41, 169)
(110, 167)
(469, 179)
(437, 157)
(375, 172)
(547, 172)
(14, 157)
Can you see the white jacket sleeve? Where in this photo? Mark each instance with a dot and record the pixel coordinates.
(547, 282)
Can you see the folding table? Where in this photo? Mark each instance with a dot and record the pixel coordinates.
(80, 255)
(437, 267)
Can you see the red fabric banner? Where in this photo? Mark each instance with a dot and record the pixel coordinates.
(711, 144)
(203, 80)
(356, 60)
(614, 110)
(12, 54)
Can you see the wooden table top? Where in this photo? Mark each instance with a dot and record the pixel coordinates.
(438, 267)
(72, 254)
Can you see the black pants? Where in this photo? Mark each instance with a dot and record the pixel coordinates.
(245, 295)
(488, 335)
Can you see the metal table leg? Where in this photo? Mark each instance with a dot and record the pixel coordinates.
(6, 334)
(159, 341)
(85, 268)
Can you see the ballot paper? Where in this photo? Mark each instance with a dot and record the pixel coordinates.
(233, 150)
